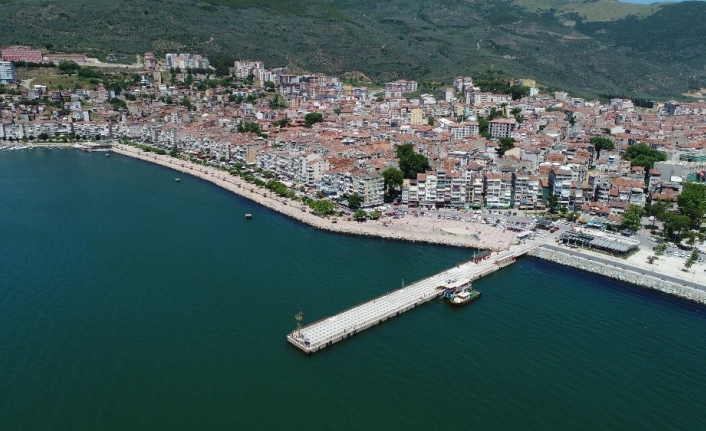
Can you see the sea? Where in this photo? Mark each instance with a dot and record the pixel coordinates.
(130, 301)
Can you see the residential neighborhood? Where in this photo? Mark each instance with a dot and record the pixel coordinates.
(484, 150)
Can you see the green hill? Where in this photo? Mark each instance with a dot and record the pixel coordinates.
(588, 47)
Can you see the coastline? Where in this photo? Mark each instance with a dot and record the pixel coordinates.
(630, 270)
(623, 271)
(485, 239)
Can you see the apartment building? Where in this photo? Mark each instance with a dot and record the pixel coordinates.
(416, 116)
(369, 186)
(7, 72)
(560, 180)
(526, 190)
(463, 130)
(150, 61)
(498, 190)
(501, 127)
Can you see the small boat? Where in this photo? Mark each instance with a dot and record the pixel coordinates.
(460, 292)
(107, 154)
(248, 216)
(464, 297)
(177, 179)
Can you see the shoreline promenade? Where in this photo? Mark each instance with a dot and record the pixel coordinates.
(456, 234)
(482, 237)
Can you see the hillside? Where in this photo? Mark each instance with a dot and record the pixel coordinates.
(589, 47)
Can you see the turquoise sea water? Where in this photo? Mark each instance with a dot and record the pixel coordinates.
(130, 301)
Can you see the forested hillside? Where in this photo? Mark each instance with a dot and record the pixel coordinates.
(589, 47)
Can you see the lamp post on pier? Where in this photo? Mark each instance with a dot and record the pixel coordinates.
(299, 316)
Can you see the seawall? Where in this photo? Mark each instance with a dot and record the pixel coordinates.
(634, 275)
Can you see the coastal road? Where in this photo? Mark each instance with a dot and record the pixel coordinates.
(616, 264)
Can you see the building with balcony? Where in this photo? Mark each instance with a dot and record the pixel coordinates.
(498, 190)
(369, 186)
(7, 72)
(525, 190)
(501, 127)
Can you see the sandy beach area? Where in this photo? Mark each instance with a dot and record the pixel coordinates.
(416, 229)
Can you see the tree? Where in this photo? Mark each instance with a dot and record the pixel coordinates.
(360, 215)
(68, 67)
(553, 203)
(675, 225)
(506, 144)
(284, 122)
(600, 144)
(660, 249)
(249, 127)
(516, 111)
(322, 207)
(692, 259)
(278, 188)
(643, 155)
(656, 209)
(269, 85)
(411, 163)
(393, 178)
(483, 126)
(43, 136)
(519, 91)
(692, 202)
(185, 102)
(277, 102)
(430, 121)
(354, 201)
(632, 219)
(312, 118)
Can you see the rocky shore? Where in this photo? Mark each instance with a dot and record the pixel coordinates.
(633, 275)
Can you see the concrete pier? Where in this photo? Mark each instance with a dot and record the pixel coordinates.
(325, 332)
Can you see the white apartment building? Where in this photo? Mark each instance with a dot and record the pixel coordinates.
(526, 190)
(498, 190)
(560, 180)
(502, 127)
(7, 72)
(463, 130)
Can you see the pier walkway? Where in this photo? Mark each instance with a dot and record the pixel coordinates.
(325, 332)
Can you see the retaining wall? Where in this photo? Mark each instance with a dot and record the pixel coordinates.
(635, 276)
